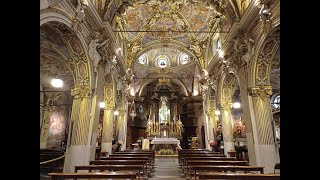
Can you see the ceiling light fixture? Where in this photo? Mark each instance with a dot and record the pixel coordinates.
(102, 104)
(57, 83)
(236, 105)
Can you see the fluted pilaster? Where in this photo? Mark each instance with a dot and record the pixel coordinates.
(264, 145)
(107, 130)
(78, 149)
(247, 110)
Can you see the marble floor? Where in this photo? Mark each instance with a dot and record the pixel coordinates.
(166, 168)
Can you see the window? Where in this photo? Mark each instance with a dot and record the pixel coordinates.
(276, 102)
(184, 58)
(218, 44)
(142, 59)
(162, 61)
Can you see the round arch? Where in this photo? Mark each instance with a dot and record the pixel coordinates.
(153, 78)
(222, 83)
(59, 16)
(261, 63)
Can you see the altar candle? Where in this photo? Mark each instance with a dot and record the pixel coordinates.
(179, 117)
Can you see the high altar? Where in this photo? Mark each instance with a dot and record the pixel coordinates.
(164, 133)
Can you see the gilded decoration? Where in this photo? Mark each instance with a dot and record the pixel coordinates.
(261, 91)
(109, 92)
(81, 92)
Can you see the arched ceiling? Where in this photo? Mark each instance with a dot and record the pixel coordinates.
(180, 20)
(180, 68)
(54, 55)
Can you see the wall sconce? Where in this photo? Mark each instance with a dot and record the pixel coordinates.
(217, 112)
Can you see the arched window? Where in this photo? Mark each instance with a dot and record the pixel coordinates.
(218, 43)
(162, 61)
(183, 58)
(276, 102)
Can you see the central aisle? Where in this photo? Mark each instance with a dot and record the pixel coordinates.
(167, 168)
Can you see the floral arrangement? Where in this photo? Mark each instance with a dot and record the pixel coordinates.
(213, 144)
(239, 128)
(166, 152)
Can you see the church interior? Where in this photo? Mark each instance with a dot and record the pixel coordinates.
(159, 89)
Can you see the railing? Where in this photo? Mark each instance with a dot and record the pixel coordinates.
(52, 160)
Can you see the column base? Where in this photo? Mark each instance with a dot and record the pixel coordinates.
(106, 147)
(43, 145)
(266, 156)
(76, 155)
(227, 146)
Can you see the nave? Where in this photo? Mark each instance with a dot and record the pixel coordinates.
(189, 164)
(159, 76)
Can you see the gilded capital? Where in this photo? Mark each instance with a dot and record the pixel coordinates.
(262, 91)
(81, 92)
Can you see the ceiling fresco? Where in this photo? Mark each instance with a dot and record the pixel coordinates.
(169, 16)
(275, 73)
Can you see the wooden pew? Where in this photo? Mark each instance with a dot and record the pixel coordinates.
(97, 175)
(122, 162)
(247, 176)
(185, 151)
(90, 168)
(186, 159)
(197, 168)
(138, 153)
(214, 163)
(150, 161)
(182, 161)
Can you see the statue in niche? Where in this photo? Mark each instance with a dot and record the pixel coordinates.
(93, 53)
(164, 112)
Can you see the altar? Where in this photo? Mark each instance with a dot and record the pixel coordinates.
(165, 143)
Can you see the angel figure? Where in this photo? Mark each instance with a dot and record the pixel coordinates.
(264, 13)
(93, 53)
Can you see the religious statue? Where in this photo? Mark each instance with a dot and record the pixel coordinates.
(93, 53)
(251, 48)
(164, 111)
(264, 12)
(82, 4)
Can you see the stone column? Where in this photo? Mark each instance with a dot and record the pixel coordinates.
(264, 145)
(108, 116)
(95, 112)
(47, 111)
(120, 127)
(107, 130)
(211, 123)
(227, 128)
(78, 149)
(247, 114)
(207, 136)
